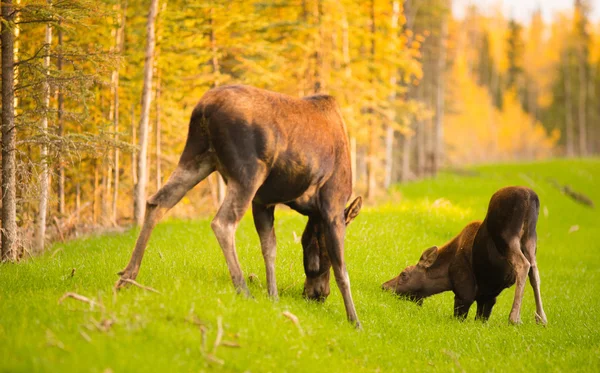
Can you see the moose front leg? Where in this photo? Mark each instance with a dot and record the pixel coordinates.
(484, 308)
(461, 307)
(335, 228)
(264, 217)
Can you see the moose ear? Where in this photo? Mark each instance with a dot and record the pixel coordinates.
(352, 211)
(428, 257)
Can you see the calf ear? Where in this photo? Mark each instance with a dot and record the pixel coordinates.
(352, 211)
(428, 257)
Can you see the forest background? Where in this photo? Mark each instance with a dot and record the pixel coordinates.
(96, 95)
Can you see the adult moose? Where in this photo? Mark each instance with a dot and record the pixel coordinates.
(484, 259)
(270, 149)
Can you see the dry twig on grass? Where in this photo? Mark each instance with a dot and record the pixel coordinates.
(219, 334)
(452, 356)
(294, 319)
(133, 282)
(230, 344)
(80, 298)
(214, 359)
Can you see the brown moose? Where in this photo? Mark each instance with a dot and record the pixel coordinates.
(484, 259)
(270, 149)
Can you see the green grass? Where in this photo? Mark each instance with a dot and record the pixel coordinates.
(184, 262)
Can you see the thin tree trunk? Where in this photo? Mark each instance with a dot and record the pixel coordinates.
(371, 185)
(158, 134)
(389, 135)
(420, 137)
(61, 130)
(438, 146)
(134, 143)
(9, 200)
(119, 41)
(96, 191)
(77, 200)
(581, 109)
(140, 189)
(406, 152)
(318, 54)
(43, 201)
(569, 138)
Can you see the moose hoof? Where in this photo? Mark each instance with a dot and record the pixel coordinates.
(123, 281)
(514, 321)
(541, 319)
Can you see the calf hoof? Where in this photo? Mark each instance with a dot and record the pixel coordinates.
(243, 290)
(357, 325)
(514, 321)
(124, 280)
(541, 319)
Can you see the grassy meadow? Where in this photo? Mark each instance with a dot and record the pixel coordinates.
(138, 330)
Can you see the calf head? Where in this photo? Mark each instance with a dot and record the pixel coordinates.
(414, 282)
(316, 258)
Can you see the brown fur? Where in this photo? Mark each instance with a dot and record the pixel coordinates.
(484, 259)
(270, 148)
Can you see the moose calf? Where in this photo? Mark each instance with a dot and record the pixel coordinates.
(484, 259)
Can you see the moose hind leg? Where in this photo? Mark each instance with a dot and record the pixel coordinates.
(521, 267)
(180, 182)
(534, 278)
(237, 200)
(263, 221)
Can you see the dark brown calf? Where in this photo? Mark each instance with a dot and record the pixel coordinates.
(484, 259)
(270, 149)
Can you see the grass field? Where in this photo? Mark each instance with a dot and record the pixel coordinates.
(153, 332)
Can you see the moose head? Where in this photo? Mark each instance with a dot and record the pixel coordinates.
(415, 282)
(316, 256)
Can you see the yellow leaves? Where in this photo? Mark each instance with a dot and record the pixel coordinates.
(477, 131)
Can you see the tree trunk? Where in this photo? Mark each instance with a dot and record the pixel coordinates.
(134, 143)
(119, 43)
(140, 187)
(371, 184)
(581, 109)
(158, 134)
(420, 136)
(569, 138)
(9, 200)
(438, 145)
(406, 174)
(96, 191)
(318, 54)
(43, 201)
(389, 135)
(61, 130)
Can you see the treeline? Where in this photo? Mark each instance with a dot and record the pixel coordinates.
(96, 96)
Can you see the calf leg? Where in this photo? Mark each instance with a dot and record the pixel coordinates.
(484, 309)
(521, 267)
(335, 228)
(534, 279)
(263, 221)
(181, 180)
(461, 307)
(237, 200)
